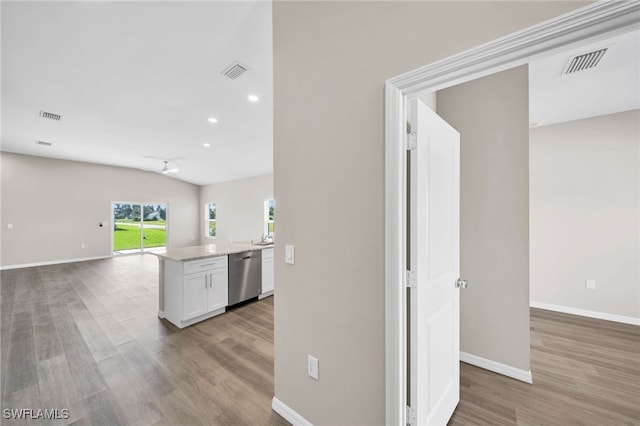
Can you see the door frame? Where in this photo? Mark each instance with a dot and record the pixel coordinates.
(591, 23)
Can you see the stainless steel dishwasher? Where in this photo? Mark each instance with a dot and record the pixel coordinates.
(245, 276)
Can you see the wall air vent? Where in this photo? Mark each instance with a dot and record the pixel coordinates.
(43, 143)
(235, 71)
(584, 61)
(50, 115)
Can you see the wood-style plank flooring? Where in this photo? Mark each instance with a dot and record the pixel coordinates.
(86, 337)
(585, 372)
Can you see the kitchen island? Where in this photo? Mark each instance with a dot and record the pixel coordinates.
(194, 281)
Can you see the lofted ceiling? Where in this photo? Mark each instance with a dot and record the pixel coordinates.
(613, 85)
(135, 84)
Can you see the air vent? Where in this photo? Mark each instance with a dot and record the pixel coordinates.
(584, 61)
(44, 143)
(235, 71)
(50, 115)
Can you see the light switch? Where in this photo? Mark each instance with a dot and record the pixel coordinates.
(312, 367)
(590, 284)
(289, 254)
(9, 225)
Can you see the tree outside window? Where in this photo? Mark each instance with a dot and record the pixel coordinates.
(211, 219)
(269, 217)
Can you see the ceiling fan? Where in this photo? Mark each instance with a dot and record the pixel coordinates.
(166, 170)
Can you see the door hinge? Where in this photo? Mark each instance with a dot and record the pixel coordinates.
(410, 280)
(411, 416)
(460, 283)
(410, 141)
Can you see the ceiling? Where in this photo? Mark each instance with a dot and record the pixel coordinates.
(611, 86)
(135, 83)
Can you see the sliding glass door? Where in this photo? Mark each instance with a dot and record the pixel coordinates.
(139, 227)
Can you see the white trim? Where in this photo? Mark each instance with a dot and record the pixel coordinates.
(395, 229)
(593, 22)
(586, 313)
(265, 294)
(53, 262)
(497, 367)
(288, 414)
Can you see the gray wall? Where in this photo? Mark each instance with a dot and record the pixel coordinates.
(585, 214)
(492, 116)
(56, 205)
(239, 208)
(330, 63)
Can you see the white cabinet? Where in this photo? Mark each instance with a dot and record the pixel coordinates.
(196, 287)
(195, 290)
(268, 276)
(218, 296)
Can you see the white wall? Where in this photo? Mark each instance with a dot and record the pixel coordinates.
(56, 205)
(585, 196)
(492, 116)
(239, 209)
(331, 60)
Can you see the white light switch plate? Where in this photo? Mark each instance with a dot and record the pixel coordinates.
(9, 225)
(312, 367)
(590, 284)
(289, 254)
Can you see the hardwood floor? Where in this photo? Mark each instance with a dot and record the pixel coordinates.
(86, 337)
(585, 372)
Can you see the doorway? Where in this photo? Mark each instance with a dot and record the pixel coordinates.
(138, 227)
(593, 22)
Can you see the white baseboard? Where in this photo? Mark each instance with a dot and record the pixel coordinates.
(585, 313)
(53, 262)
(288, 414)
(497, 367)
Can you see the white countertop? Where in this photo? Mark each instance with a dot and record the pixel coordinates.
(184, 254)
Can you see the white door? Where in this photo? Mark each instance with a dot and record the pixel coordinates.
(434, 260)
(195, 295)
(218, 296)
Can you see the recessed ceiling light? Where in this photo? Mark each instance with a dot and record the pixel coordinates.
(253, 98)
(213, 120)
(206, 145)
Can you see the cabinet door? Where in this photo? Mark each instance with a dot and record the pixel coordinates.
(267, 274)
(195, 295)
(219, 289)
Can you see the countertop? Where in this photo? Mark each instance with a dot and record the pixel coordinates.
(184, 254)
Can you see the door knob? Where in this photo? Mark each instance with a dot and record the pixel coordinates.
(461, 283)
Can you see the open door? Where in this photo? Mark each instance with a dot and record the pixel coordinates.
(434, 261)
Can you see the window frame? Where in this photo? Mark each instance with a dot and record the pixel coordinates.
(208, 220)
(267, 220)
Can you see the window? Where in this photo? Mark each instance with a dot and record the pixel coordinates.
(139, 227)
(211, 219)
(269, 206)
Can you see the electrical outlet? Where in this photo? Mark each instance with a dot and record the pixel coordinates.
(312, 367)
(590, 284)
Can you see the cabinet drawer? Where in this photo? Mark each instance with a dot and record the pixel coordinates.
(205, 264)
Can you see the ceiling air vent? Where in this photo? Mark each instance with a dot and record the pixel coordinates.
(50, 115)
(44, 143)
(584, 61)
(235, 71)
